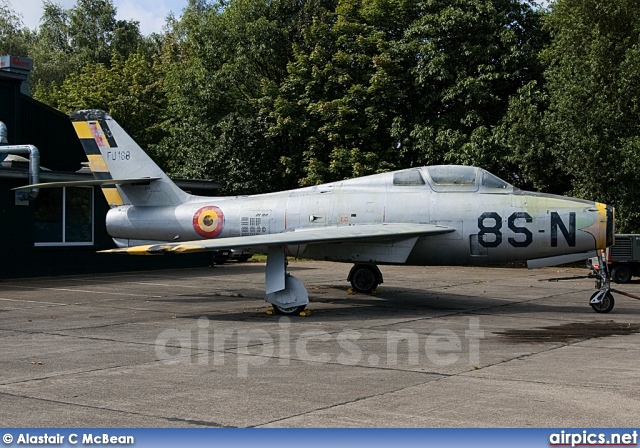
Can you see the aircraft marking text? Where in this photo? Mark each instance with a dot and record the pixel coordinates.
(254, 225)
(569, 235)
(118, 155)
(495, 229)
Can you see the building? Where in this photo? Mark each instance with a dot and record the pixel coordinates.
(61, 230)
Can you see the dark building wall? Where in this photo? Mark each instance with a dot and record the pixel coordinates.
(9, 93)
(31, 122)
(21, 258)
(52, 133)
(16, 227)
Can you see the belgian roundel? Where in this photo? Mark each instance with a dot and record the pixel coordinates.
(208, 221)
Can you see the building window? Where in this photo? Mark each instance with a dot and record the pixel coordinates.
(64, 217)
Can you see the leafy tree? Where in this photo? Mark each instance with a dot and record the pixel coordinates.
(468, 59)
(394, 83)
(526, 143)
(338, 100)
(593, 75)
(588, 127)
(95, 31)
(14, 37)
(67, 40)
(223, 64)
(52, 51)
(130, 89)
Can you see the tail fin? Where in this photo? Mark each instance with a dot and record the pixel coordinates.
(113, 154)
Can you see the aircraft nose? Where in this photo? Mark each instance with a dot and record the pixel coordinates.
(611, 226)
(607, 225)
(603, 226)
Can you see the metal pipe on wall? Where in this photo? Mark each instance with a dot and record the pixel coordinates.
(3, 132)
(34, 166)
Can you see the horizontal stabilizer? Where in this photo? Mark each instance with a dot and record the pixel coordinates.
(561, 259)
(89, 183)
(301, 236)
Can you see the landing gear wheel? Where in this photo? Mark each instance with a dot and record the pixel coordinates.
(605, 305)
(621, 274)
(364, 278)
(292, 311)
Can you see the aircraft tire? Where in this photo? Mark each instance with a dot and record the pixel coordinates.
(621, 274)
(606, 305)
(293, 311)
(364, 278)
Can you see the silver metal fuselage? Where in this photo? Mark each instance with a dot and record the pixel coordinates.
(493, 224)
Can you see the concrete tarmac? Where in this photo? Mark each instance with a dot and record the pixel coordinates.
(434, 347)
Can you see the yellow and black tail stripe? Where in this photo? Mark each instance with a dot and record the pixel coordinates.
(94, 133)
(112, 195)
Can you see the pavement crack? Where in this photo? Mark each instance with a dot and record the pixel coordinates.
(119, 411)
(335, 405)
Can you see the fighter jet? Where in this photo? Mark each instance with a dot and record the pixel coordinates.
(427, 216)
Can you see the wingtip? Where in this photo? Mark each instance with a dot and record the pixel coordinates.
(112, 251)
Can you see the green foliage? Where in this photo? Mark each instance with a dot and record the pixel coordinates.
(91, 29)
(223, 65)
(131, 90)
(54, 56)
(67, 40)
(470, 57)
(388, 84)
(530, 159)
(590, 126)
(14, 37)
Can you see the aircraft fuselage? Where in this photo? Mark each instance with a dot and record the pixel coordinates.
(493, 222)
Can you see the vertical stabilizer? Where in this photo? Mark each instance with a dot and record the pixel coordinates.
(113, 154)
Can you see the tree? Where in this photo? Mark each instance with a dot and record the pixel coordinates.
(590, 127)
(466, 59)
(527, 144)
(394, 83)
(223, 66)
(52, 51)
(67, 40)
(14, 37)
(130, 89)
(342, 95)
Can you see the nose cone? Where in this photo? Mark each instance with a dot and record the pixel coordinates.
(604, 228)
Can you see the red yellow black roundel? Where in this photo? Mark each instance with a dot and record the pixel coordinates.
(208, 221)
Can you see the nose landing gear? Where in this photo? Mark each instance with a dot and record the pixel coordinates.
(602, 300)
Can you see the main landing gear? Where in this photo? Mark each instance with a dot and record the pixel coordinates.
(294, 294)
(365, 278)
(286, 294)
(602, 300)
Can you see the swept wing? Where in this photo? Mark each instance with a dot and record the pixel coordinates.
(300, 236)
(89, 183)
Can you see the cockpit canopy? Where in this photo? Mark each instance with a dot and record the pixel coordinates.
(453, 178)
